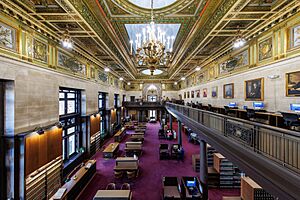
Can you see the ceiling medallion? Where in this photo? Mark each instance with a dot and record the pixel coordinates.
(153, 47)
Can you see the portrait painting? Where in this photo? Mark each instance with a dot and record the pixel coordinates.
(214, 92)
(192, 94)
(254, 89)
(293, 84)
(295, 36)
(228, 91)
(198, 93)
(205, 92)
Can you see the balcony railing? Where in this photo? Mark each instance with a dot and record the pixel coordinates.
(280, 145)
(143, 104)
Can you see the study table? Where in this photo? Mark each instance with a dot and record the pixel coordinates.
(140, 130)
(126, 164)
(119, 135)
(113, 194)
(138, 137)
(111, 150)
(133, 147)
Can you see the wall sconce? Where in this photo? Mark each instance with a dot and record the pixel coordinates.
(39, 130)
(95, 115)
(58, 125)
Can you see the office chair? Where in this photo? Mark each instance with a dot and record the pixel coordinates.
(125, 186)
(111, 186)
(210, 108)
(227, 110)
(250, 113)
(200, 106)
(291, 119)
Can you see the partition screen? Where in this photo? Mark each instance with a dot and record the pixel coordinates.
(69, 116)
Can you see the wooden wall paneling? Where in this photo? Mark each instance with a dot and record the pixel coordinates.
(54, 137)
(31, 153)
(95, 124)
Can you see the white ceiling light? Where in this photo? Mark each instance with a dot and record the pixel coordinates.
(106, 69)
(121, 79)
(198, 68)
(128, 83)
(66, 40)
(175, 83)
(182, 78)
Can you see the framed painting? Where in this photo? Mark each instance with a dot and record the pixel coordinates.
(254, 90)
(293, 84)
(188, 94)
(8, 37)
(184, 95)
(228, 91)
(265, 49)
(40, 50)
(205, 92)
(92, 72)
(214, 92)
(192, 94)
(295, 36)
(198, 93)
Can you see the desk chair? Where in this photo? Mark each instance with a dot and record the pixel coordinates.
(164, 151)
(200, 106)
(125, 186)
(111, 186)
(118, 174)
(210, 108)
(131, 174)
(291, 119)
(250, 113)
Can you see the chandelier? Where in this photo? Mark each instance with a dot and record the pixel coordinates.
(239, 40)
(153, 47)
(66, 40)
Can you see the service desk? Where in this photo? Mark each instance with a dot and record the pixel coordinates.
(119, 135)
(111, 150)
(113, 194)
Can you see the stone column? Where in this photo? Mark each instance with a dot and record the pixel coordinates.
(179, 133)
(203, 169)
(170, 121)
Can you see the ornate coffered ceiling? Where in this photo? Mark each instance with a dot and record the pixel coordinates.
(207, 28)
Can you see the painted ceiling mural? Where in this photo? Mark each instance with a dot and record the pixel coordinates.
(203, 30)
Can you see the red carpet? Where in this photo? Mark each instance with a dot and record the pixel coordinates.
(148, 186)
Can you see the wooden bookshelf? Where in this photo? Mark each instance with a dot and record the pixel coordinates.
(250, 190)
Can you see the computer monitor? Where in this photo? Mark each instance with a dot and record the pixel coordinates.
(232, 105)
(190, 183)
(258, 105)
(295, 107)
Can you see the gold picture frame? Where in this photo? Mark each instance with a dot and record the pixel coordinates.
(294, 36)
(254, 89)
(265, 49)
(292, 84)
(228, 91)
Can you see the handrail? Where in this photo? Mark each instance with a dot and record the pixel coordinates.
(280, 145)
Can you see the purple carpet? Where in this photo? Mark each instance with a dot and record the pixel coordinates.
(148, 185)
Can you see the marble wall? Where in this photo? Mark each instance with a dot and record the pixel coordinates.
(275, 98)
(36, 93)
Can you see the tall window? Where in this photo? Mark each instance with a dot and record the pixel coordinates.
(117, 100)
(102, 104)
(69, 116)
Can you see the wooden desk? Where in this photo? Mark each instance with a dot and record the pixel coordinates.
(133, 147)
(119, 135)
(137, 138)
(138, 133)
(113, 194)
(126, 164)
(140, 130)
(75, 185)
(171, 192)
(111, 150)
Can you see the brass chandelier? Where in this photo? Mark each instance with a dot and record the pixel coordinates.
(153, 47)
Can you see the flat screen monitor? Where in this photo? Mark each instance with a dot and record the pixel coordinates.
(258, 105)
(295, 107)
(190, 183)
(232, 105)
